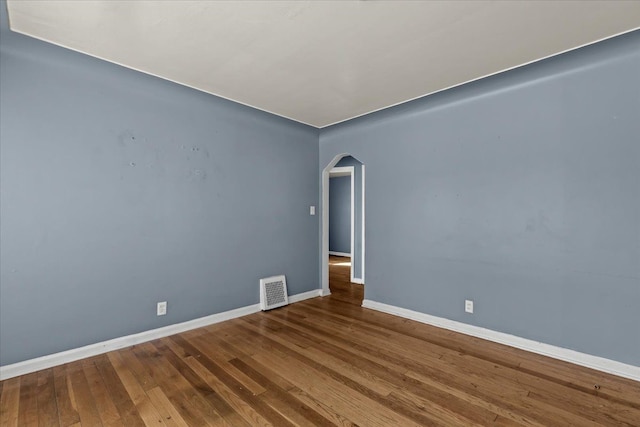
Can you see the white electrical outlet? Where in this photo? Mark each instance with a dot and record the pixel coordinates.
(162, 308)
(312, 210)
(468, 306)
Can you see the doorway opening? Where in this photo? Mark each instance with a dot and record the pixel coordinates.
(342, 218)
(344, 165)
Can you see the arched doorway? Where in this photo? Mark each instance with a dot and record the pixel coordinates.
(358, 255)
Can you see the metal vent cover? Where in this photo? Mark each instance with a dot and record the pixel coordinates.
(273, 292)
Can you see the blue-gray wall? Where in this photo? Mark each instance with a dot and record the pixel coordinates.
(119, 190)
(340, 214)
(521, 192)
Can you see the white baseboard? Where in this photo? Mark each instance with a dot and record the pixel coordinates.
(345, 254)
(305, 295)
(325, 292)
(572, 356)
(51, 360)
(357, 281)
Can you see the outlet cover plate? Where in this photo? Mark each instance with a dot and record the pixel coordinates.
(468, 306)
(162, 308)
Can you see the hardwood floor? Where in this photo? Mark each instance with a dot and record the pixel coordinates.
(339, 282)
(324, 361)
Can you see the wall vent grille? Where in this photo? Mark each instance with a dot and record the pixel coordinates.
(273, 292)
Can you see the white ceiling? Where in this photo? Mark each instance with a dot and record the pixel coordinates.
(322, 62)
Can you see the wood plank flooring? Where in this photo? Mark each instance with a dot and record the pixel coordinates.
(339, 282)
(320, 362)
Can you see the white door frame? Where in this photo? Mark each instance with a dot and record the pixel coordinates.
(324, 254)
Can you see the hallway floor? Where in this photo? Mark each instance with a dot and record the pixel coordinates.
(339, 281)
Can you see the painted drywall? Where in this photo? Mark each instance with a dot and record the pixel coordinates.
(520, 192)
(120, 190)
(340, 214)
(356, 263)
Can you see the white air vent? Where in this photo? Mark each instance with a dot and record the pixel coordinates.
(273, 292)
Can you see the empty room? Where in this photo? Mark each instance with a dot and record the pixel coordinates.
(310, 213)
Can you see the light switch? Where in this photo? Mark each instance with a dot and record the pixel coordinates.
(312, 210)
